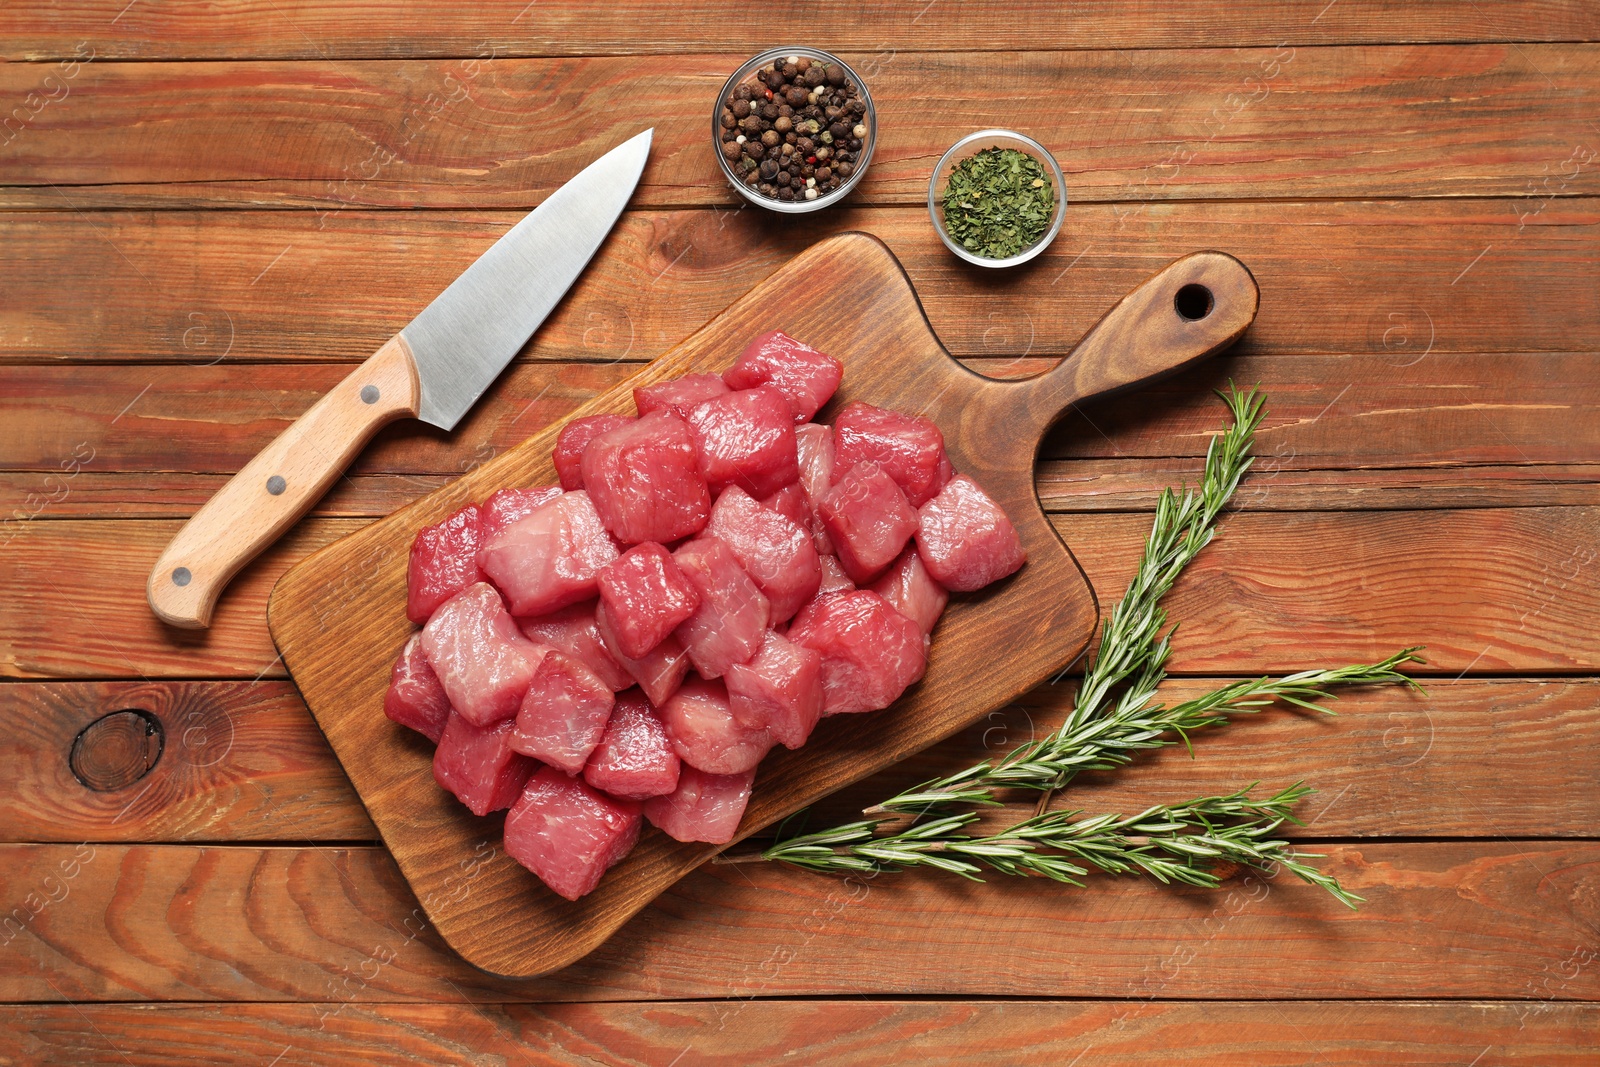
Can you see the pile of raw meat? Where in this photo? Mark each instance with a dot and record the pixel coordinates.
(709, 579)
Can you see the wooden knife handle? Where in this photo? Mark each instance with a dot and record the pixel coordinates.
(1196, 306)
(279, 485)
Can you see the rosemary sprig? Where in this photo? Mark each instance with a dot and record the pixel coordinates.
(1136, 724)
(1131, 643)
(1181, 843)
(1172, 843)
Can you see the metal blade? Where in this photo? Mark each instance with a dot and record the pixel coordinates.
(464, 339)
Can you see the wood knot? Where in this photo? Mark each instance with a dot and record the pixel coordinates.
(117, 750)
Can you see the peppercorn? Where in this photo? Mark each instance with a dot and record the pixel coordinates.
(790, 130)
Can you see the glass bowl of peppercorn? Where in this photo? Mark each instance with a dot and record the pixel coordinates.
(793, 129)
(997, 198)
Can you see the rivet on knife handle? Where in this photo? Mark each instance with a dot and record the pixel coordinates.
(279, 485)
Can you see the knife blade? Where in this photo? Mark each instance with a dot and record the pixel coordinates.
(434, 370)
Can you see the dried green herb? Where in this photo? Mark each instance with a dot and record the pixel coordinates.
(998, 202)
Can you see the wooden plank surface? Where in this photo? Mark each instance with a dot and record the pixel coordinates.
(833, 1033)
(1512, 589)
(1404, 280)
(1487, 919)
(1279, 121)
(243, 761)
(307, 30)
(1076, 485)
(1416, 189)
(1340, 412)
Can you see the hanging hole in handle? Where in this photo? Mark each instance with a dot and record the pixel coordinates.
(1193, 302)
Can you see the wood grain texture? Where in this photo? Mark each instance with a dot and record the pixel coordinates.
(1485, 919)
(477, 132)
(832, 1033)
(1402, 280)
(299, 29)
(239, 761)
(1065, 486)
(243, 761)
(339, 647)
(1334, 412)
(1486, 590)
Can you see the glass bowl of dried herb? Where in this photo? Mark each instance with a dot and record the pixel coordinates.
(997, 198)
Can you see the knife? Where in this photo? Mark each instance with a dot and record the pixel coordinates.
(434, 370)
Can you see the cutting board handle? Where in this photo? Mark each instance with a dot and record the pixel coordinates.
(279, 485)
(1196, 306)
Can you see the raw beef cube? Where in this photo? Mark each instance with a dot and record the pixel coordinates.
(679, 395)
(814, 447)
(444, 561)
(659, 672)
(780, 690)
(508, 505)
(569, 834)
(705, 734)
(870, 652)
(645, 480)
(704, 807)
(481, 658)
(646, 597)
(834, 579)
(746, 438)
(911, 590)
(573, 631)
(775, 552)
(564, 714)
(574, 438)
(733, 614)
(477, 764)
(814, 452)
(798, 371)
(791, 503)
(549, 559)
(965, 538)
(909, 448)
(868, 519)
(635, 760)
(415, 697)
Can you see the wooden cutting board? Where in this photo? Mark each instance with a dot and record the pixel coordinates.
(339, 617)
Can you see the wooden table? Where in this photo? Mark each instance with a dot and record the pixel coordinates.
(212, 210)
